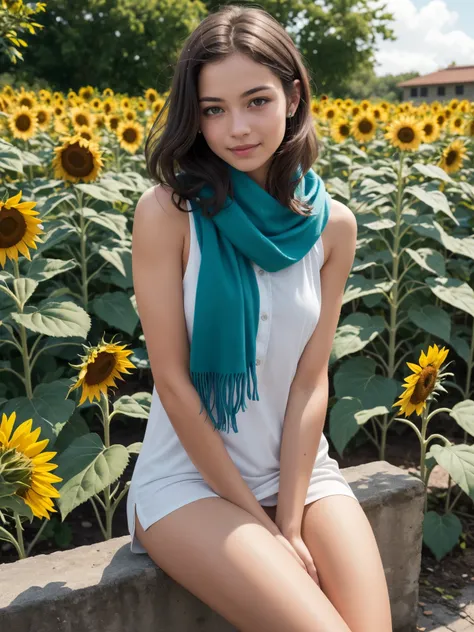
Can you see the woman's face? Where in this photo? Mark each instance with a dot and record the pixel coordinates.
(229, 118)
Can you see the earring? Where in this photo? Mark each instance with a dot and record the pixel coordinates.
(290, 115)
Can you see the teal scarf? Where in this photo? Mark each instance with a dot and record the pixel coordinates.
(253, 227)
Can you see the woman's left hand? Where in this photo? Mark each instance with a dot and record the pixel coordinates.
(300, 547)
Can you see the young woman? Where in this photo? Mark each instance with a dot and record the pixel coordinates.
(239, 293)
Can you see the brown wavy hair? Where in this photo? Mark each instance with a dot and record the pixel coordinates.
(177, 156)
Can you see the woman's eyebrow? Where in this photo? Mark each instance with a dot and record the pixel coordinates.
(244, 94)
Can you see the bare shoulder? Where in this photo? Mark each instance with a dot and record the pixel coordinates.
(155, 208)
(340, 234)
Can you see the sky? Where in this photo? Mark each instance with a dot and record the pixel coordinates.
(430, 35)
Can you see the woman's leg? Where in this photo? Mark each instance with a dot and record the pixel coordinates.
(342, 543)
(229, 560)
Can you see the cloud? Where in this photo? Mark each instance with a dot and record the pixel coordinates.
(428, 38)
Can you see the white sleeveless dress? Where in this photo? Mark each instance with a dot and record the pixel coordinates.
(165, 478)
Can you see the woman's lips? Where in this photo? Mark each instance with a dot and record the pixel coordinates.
(244, 152)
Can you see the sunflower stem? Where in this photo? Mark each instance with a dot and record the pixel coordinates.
(393, 298)
(109, 511)
(83, 254)
(19, 536)
(24, 343)
(35, 539)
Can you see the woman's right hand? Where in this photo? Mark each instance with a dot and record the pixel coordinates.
(284, 542)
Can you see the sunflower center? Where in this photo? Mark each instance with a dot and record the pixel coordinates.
(23, 122)
(41, 116)
(330, 114)
(130, 135)
(12, 227)
(101, 368)
(428, 129)
(114, 122)
(424, 386)
(406, 134)
(77, 160)
(344, 130)
(365, 126)
(81, 119)
(451, 157)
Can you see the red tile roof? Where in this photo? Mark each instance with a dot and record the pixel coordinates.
(452, 74)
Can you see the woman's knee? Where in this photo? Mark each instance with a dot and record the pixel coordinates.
(229, 560)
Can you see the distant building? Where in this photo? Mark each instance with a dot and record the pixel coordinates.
(454, 82)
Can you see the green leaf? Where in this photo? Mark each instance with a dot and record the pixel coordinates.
(49, 408)
(47, 205)
(342, 422)
(44, 269)
(432, 171)
(454, 292)
(381, 224)
(339, 187)
(354, 333)
(436, 199)
(356, 378)
(463, 413)
(56, 319)
(428, 259)
(116, 310)
(136, 405)
(115, 222)
(458, 461)
(134, 448)
(358, 286)
(461, 347)
(441, 533)
(432, 319)
(117, 257)
(15, 504)
(24, 288)
(87, 467)
(101, 192)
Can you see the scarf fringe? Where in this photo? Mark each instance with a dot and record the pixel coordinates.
(225, 393)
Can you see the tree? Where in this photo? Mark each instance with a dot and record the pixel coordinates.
(335, 37)
(365, 84)
(128, 45)
(17, 17)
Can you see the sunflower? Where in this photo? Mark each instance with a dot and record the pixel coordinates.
(108, 92)
(26, 99)
(113, 121)
(329, 113)
(453, 156)
(130, 115)
(86, 93)
(469, 127)
(151, 95)
(86, 132)
(364, 127)
(24, 464)
(456, 125)
(80, 116)
(405, 132)
(430, 129)
(99, 369)
(341, 129)
(130, 135)
(23, 123)
(19, 228)
(77, 159)
(43, 116)
(423, 381)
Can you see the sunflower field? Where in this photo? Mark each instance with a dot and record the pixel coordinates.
(72, 169)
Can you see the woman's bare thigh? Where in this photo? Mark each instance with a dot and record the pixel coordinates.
(229, 560)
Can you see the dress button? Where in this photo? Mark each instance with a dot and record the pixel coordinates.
(264, 317)
(261, 272)
(258, 362)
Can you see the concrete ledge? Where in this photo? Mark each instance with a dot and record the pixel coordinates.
(106, 588)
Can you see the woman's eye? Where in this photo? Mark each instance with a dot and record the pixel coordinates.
(207, 111)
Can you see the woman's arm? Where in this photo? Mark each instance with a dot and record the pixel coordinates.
(307, 403)
(157, 245)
